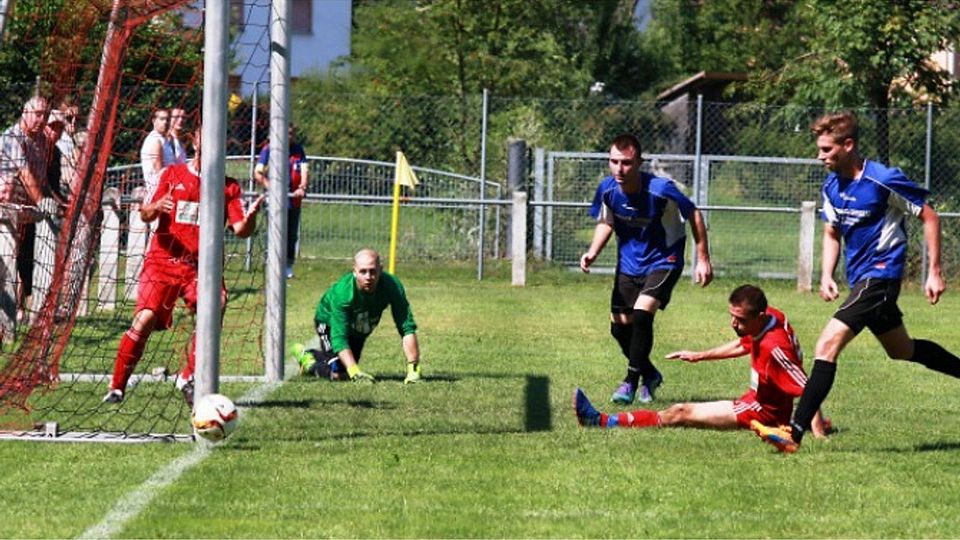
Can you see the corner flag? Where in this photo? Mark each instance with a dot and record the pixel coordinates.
(404, 176)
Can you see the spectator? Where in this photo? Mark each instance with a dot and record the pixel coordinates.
(349, 312)
(156, 152)
(70, 144)
(170, 265)
(299, 180)
(177, 116)
(24, 166)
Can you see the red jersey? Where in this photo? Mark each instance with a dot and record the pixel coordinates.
(777, 375)
(178, 233)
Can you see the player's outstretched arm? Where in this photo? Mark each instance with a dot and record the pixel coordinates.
(353, 370)
(829, 290)
(703, 273)
(246, 226)
(411, 349)
(601, 235)
(935, 285)
(732, 349)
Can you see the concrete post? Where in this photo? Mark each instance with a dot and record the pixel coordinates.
(805, 258)
(518, 228)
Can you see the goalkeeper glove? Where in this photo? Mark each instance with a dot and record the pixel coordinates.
(413, 373)
(358, 376)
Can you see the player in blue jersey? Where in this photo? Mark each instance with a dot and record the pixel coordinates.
(647, 214)
(865, 204)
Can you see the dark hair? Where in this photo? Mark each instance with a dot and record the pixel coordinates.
(626, 140)
(749, 297)
(841, 126)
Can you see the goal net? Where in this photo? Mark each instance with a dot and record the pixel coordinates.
(70, 261)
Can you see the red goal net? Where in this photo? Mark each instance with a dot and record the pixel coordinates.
(99, 72)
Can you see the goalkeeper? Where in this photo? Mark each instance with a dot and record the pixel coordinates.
(347, 314)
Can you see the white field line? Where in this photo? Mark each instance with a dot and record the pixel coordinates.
(130, 506)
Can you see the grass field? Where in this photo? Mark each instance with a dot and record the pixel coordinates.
(488, 446)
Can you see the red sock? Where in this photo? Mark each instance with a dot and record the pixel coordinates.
(128, 354)
(187, 372)
(640, 418)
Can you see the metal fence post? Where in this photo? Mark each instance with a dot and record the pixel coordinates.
(538, 158)
(926, 185)
(483, 181)
(805, 249)
(248, 254)
(697, 160)
(516, 170)
(518, 227)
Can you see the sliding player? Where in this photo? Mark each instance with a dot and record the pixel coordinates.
(776, 376)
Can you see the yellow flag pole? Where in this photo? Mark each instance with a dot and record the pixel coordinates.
(395, 218)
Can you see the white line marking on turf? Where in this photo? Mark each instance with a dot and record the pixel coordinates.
(131, 505)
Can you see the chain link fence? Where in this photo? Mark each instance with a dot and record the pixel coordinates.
(749, 167)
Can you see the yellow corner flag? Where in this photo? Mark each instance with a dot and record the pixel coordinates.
(404, 176)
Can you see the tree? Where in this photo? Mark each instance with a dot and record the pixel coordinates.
(863, 53)
(722, 35)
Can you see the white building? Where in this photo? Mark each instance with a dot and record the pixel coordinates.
(319, 34)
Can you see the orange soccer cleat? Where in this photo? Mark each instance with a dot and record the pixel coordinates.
(780, 437)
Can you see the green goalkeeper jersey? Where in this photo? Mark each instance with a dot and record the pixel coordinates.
(350, 312)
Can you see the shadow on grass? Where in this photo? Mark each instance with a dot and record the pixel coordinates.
(537, 410)
(939, 446)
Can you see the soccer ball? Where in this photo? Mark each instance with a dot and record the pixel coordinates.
(214, 417)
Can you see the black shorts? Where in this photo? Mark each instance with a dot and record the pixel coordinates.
(658, 284)
(328, 363)
(872, 303)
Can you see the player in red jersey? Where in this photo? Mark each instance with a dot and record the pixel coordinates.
(776, 376)
(170, 264)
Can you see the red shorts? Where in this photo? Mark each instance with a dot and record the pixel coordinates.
(747, 408)
(162, 281)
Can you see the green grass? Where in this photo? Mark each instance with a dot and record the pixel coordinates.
(488, 447)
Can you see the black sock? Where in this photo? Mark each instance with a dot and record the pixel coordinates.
(818, 386)
(935, 357)
(640, 346)
(622, 333)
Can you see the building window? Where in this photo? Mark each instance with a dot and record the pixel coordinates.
(301, 17)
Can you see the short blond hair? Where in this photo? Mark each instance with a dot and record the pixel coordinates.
(840, 126)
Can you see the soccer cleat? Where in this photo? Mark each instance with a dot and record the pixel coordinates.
(413, 374)
(304, 359)
(780, 437)
(113, 396)
(187, 390)
(648, 388)
(625, 394)
(289, 272)
(587, 415)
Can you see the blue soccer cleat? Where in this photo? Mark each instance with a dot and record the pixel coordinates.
(624, 394)
(649, 387)
(587, 415)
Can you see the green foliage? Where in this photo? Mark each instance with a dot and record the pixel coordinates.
(722, 35)
(865, 54)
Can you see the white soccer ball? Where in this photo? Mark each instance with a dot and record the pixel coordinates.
(214, 417)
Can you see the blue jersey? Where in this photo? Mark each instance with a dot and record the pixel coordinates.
(869, 212)
(649, 224)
